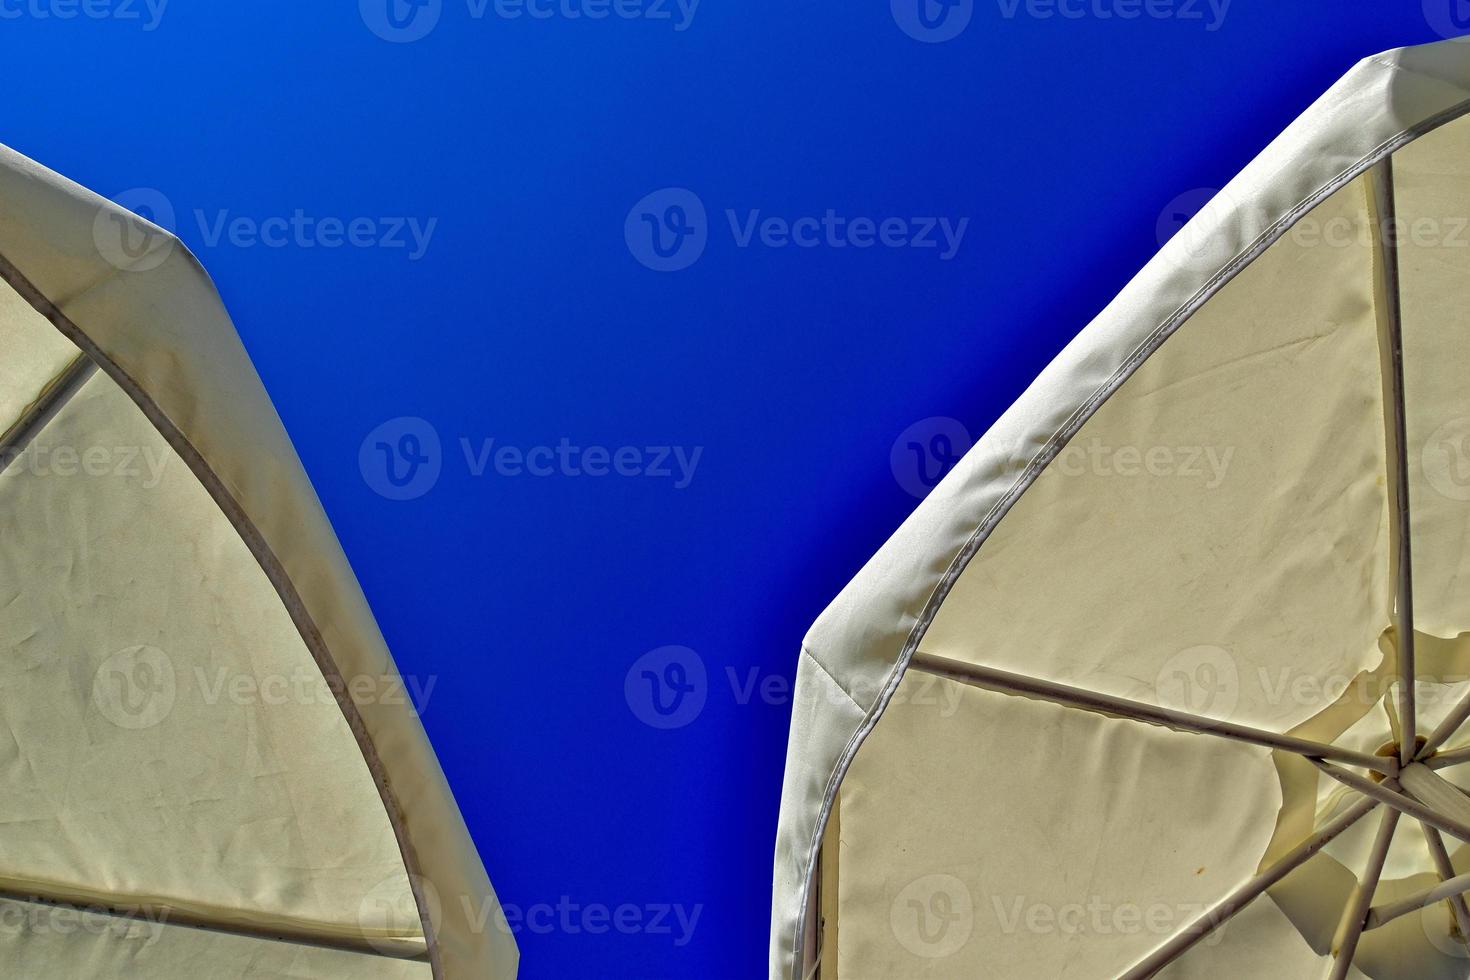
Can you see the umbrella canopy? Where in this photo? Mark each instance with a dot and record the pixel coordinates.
(1171, 673)
(206, 746)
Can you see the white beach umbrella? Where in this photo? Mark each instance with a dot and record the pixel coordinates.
(205, 744)
(1171, 674)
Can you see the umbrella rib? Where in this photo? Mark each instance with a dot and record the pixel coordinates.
(56, 394)
(1355, 915)
(1382, 915)
(1386, 793)
(1391, 346)
(1448, 727)
(1237, 900)
(1075, 697)
(1444, 760)
(1432, 789)
(1451, 887)
(286, 930)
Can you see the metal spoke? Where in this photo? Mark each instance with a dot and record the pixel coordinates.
(56, 394)
(1387, 793)
(1383, 914)
(1448, 727)
(1237, 900)
(1075, 697)
(1450, 881)
(1355, 916)
(1444, 760)
(278, 929)
(1391, 350)
(1429, 787)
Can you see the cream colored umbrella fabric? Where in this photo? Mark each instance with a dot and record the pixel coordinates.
(1170, 675)
(208, 765)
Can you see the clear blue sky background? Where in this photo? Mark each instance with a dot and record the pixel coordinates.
(532, 316)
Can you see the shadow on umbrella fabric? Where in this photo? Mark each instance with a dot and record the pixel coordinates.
(208, 766)
(1170, 676)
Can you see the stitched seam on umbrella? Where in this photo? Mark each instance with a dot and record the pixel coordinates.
(1416, 73)
(264, 556)
(1056, 443)
(830, 676)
